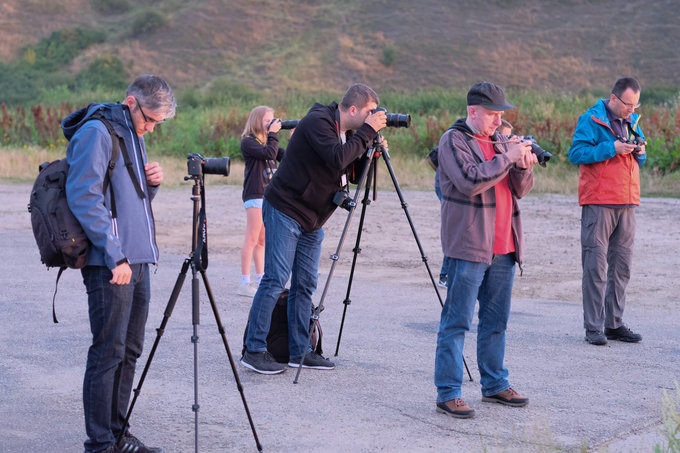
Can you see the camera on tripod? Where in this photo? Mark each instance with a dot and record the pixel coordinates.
(395, 119)
(344, 200)
(198, 165)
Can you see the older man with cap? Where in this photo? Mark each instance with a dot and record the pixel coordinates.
(482, 174)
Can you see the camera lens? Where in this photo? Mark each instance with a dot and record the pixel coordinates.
(216, 166)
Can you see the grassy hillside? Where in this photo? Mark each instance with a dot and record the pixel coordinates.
(395, 45)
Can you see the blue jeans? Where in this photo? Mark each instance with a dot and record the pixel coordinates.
(117, 319)
(288, 248)
(492, 286)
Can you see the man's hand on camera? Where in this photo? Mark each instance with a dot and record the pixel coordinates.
(154, 173)
(518, 148)
(377, 120)
(624, 148)
(121, 274)
(275, 125)
(528, 160)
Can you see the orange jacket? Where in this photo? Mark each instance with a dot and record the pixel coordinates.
(605, 177)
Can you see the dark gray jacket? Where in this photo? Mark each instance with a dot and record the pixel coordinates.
(468, 197)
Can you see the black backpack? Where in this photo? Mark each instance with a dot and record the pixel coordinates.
(61, 240)
(277, 338)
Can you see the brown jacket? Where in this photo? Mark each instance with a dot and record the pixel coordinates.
(468, 197)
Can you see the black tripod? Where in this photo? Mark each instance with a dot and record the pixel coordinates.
(198, 260)
(368, 173)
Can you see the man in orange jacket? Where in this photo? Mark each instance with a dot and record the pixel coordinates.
(609, 191)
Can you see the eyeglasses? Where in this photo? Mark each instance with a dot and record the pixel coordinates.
(151, 120)
(630, 106)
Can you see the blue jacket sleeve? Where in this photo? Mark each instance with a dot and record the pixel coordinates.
(88, 155)
(588, 145)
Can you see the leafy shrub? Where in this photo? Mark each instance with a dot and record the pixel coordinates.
(389, 55)
(111, 6)
(105, 71)
(148, 21)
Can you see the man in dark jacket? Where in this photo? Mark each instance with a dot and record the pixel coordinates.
(297, 203)
(117, 274)
(482, 174)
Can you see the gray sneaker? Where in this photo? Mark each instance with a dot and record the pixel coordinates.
(312, 360)
(595, 337)
(262, 362)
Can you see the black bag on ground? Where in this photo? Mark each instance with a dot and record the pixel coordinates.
(61, 240)
(277, 338)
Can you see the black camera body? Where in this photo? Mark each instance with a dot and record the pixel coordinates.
(344, 200)
(198, 165)
(395, 119)
(637, 141)
(542, 155)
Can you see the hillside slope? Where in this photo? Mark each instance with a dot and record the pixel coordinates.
(398, 45)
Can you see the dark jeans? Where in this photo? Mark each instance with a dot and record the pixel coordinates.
(117, 318)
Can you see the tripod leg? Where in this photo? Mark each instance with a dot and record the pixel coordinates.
(220, 328)
(334, 258)
(357, 249)
(404, 205)
(166, 316)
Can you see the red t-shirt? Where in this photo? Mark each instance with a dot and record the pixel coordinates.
(503, 242)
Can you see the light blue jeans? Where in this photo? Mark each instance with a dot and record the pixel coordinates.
(492, 286)
(288, 249)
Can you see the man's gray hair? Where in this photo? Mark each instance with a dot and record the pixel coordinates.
(154, 93)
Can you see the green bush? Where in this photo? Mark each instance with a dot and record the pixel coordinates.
(389, 55)
(148, 21)
(105, 71)
(111, 6)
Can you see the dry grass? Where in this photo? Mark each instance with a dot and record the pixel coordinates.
(412, 173)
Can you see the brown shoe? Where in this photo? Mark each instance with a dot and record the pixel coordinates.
(508, 397)
(456, 408)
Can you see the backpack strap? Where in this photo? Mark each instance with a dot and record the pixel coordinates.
(56, 287)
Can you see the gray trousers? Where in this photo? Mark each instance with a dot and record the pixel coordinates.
(607, 236)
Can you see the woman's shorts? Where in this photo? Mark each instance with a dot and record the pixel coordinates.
(254, 203)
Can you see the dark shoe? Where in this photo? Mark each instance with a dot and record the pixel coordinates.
(623, 333)
(595, 337)
(442, 281)
(313, 360)
(112, 449)
(456, 408)
(508, 397)
(130, 444)
(262, 362)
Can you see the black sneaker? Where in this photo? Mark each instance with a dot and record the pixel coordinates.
(442, 281)
(262, 362)
(112, 449)
(313, 360)
(130, 444)
(623, 333)
(595, 337)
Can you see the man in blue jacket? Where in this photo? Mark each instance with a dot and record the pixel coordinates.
(608, 192)
(117, 273)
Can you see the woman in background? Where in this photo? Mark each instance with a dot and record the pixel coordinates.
(260, 149)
